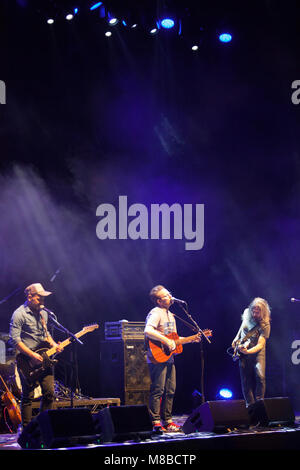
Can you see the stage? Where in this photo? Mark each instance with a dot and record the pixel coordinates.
(174, 448)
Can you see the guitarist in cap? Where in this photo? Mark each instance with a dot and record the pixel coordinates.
(160, 322)
(256, 324)
(28, 330)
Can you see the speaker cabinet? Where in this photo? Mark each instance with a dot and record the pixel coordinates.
(272, 411)
(59, 428)
(124, 371)
(217, 416)
(120, 423)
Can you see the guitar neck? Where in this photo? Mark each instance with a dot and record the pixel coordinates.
(4, 383)
(185, 340)
(65, 343)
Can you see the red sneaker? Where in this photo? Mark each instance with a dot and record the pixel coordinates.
(158, 428)
(173, 427)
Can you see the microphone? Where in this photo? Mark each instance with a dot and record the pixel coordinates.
(54, 275)
(52, 314)
(295, 300)
(178, 301)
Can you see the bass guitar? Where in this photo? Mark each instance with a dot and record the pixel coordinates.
(31, 371)
(160, 351)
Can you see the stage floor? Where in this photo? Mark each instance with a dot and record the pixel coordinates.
(174, 448)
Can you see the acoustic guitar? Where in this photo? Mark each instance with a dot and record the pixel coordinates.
(31, 371)
(160, 352)
(11, 407)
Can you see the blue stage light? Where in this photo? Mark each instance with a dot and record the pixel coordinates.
(225, 393)
(167, 23)
(225, 37)
(96, 5)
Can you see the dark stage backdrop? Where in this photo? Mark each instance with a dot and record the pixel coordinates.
(88, 119)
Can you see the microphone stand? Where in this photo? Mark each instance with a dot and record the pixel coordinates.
(73, 355)
(198, 329)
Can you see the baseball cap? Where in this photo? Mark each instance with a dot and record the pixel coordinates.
(37, 288)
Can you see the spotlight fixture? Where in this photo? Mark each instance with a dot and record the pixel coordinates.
(167, 23)
(195, 47)
(113, 21)
(50, 21)
(69, 17)
(153, 31)
(132, 26)
(108, 34)
(225, 37)
(225, 393)
(96, 5)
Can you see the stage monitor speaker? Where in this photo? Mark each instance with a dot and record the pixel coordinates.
(272, 412)
(59, 428)
(121, 423)
(217, 416)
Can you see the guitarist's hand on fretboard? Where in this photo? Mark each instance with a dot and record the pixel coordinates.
(197, 339)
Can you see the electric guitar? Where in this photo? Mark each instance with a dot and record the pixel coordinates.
(160, 351)
(31, 371)
(236, 354)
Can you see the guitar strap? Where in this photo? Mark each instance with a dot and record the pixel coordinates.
(46, 332)
(250, 333)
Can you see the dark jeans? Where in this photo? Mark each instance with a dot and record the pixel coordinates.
(253, 376)
(162, 390)
(47, 385)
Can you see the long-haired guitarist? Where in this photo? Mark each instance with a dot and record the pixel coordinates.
(28, 329)
(256, 324)
(160, 323)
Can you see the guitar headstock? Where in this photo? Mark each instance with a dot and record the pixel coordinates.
(207, 333)
(90, 328)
